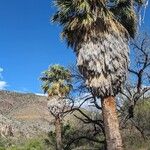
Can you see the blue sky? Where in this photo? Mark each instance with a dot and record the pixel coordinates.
(29, 43)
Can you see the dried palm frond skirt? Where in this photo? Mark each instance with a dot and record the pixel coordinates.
(103, 61)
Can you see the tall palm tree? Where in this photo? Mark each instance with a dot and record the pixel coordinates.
(57, 84)
(99, 31)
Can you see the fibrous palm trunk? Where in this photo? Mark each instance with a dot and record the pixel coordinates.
(103, 61)
(111, 124)
(58, 134)
(56, 106)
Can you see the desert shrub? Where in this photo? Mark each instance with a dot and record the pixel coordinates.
(67, 130)
(4, 143)
(69, 133)
(135, 142)
(133, 139)
(32, 144)
(2, 148)
(142, 116)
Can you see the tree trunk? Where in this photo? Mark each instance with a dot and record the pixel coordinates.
(111, 124)
(58, 134)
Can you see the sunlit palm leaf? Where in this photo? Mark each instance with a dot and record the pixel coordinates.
(56, 81)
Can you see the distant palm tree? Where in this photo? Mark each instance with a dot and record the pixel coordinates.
(99, 31)
(57, 84)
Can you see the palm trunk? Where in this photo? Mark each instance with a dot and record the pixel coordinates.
(58, 134)
(111, 124)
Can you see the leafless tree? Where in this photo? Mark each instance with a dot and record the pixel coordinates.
(136, 88)
(138, 84)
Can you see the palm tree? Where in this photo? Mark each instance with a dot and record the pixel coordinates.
(57, 84)
(99, 32)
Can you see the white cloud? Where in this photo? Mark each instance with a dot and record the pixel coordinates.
(40, 94)
(3, 84)
(1, 70)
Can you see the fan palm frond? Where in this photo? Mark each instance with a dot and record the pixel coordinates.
(125, 14)
(56, 81)
(82, 19)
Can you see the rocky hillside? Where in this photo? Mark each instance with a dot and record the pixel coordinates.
(26, 113)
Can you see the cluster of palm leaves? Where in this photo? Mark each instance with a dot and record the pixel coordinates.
(56, 81)
(89, 16)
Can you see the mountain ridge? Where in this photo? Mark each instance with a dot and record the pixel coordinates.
(25, 112)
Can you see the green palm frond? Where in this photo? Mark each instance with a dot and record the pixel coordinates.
(81, 16)
(56, 81)
(45, 87)
(139, 2)
(124, 13)
(82, 19)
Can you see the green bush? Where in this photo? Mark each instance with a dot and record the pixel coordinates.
(68, 133)
(32, 144)
(132, 137)
(142, 116)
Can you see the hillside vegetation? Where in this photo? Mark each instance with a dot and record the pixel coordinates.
(29, 117)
